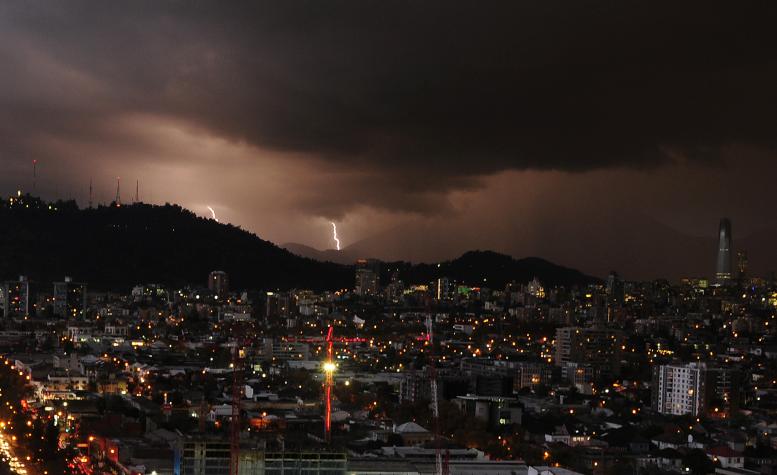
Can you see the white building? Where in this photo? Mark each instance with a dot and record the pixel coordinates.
(679, 389)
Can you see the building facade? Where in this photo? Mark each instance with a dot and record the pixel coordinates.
(723, 269)
(16, 297)
(598, 347)
(218, 282)
(69, 298)
(679, 389)
(197, 456)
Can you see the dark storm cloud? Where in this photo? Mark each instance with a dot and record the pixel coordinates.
(408, 99)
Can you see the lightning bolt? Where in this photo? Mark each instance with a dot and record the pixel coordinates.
(213, 213)
(334, 234)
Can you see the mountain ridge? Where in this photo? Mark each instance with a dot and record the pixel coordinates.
(637, 246)
(112, 247)
(468, 258)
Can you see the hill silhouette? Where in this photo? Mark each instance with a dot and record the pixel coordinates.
(494, 270)
(471, 267)
(113, 248)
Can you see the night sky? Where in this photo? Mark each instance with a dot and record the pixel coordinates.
(600, 135)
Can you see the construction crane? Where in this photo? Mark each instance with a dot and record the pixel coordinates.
(242, 338)
(323, 339)
(441, 466)
(117, 200)
(329, 369)
(234, 423)
(202, 414)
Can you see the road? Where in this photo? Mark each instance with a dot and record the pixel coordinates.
(12, 461)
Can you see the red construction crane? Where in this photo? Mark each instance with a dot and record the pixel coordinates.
(323, 339)
(329, 369)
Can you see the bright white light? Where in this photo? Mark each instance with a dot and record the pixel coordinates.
(334, 234)
(330, 367)
(213, 214)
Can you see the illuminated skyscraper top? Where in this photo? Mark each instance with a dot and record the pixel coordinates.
(723, 270)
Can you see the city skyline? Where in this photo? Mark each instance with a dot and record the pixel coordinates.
(388, 237)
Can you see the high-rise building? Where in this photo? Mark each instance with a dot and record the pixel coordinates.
(218, 282)
(277, 305)
(366, 282)
(615, 288)
(442, 288)
(679, 389)
(724, 389)
(563, 346)
(598, 347)
(16, 297)
(723, 270)
(367, 277)
(69, 298)
(741, 264)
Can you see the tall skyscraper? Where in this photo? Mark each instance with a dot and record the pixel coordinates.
(724, 266)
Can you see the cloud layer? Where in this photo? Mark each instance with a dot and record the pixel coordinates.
(329, 109)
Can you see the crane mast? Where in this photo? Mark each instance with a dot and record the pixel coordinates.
(234, 425)
(243, 336)
(439, 468)
(329, 367)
